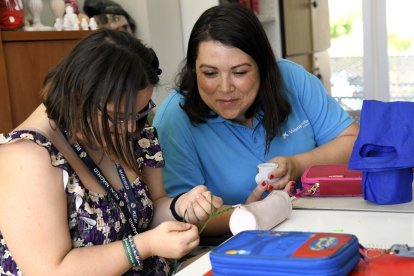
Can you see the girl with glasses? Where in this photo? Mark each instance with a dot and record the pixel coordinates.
(81, 189)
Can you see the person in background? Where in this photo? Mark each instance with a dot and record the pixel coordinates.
(236, 106)
(110, 14)
(81, 188)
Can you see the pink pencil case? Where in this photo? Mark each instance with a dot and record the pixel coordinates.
(331, 180)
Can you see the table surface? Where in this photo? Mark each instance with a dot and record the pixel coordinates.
(350, 204)
(374, 228)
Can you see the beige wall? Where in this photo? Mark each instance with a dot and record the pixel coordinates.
(159, 26)
(165, 25)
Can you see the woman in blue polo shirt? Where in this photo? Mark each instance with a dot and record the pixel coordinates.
(235, 107)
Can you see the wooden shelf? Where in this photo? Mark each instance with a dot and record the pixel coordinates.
(25, 59)
(8, 36)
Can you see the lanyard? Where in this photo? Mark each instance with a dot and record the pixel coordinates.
(130, 199)
(129, 210)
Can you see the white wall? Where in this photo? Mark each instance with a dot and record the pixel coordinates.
(165, 25)
(190, 12)
(159, 26)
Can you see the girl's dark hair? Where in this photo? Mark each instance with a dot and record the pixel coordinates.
(237, 26)
(106, 66)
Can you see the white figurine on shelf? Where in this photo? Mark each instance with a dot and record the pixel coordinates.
(76, 27)
(84, 24)
(70, 20)
(92, 24)
(35, 8)
(58, 26)
(58, 9)
(66, 24)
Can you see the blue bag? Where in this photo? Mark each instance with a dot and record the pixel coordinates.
(384, 151)
(270, 252)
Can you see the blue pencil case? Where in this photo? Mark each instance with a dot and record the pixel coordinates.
(270, 252)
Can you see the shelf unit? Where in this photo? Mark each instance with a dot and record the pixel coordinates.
(305, 35)
(269, 17)
(25, 59)
(268, 13)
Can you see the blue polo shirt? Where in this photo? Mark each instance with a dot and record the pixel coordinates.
(223, 155)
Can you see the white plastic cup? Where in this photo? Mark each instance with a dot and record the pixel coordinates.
(264, 169)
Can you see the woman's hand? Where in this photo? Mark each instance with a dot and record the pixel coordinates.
(336, 151)
(257, 193)
(286, 171)
(170, 239)
(197, 204)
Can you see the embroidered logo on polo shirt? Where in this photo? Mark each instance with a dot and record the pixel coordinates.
(303, 124)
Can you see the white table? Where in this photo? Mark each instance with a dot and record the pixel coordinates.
(375, 228)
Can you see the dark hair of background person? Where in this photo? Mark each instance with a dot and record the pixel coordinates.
(107, 10)
(106, 66)
(237, 26)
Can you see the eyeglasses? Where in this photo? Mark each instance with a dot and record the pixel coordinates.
(139, 116)
(143, 114)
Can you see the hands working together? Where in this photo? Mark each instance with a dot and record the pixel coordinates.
(178, 238)
(196, 205)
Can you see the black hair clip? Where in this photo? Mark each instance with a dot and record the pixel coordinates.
(155, 63)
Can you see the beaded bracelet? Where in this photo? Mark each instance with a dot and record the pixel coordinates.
(172, 208)
(128, 252)
(132, 252)
(135, 252)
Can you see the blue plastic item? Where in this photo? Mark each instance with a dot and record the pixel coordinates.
(286, 253)
(384, 151)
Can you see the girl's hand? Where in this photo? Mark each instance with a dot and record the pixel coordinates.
(171, 239)
(197, 204)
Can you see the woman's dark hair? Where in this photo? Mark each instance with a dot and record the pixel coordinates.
(106, 66)
(237, 26)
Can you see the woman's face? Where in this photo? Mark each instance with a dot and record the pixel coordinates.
(228, 79)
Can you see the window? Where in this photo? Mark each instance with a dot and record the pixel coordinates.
(346, 52)
(372, 51)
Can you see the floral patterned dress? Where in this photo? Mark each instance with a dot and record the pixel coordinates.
(96, 218)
